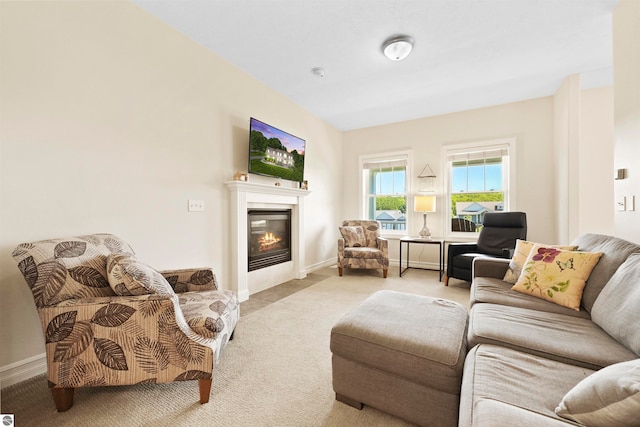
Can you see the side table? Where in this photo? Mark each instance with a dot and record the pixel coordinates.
(408, 240)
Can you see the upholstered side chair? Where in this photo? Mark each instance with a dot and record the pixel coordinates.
(109, 319)
(362, 247)
(496, 239)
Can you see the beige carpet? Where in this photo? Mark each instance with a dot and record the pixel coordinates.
(276, 372)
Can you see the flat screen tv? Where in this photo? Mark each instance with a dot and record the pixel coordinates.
(276, 153)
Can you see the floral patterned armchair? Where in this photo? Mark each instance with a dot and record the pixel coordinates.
(110, 320)
(362, 247)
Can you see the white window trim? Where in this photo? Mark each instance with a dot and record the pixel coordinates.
(362, 186)
(509, 186)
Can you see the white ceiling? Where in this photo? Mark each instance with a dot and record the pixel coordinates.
(467, 54)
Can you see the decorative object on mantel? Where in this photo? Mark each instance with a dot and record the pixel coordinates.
(239, 176)
(425, 204)
(426, 179)
(304, 185)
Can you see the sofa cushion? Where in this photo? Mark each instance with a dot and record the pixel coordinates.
(520, 254)
(128, 276)
(353, 236)
(555, 336)
(493, 394)
(608, 397)
(615, 250)
(617, 308)
(497, 291)
(556, 275)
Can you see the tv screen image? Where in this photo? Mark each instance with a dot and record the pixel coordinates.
(273, 152)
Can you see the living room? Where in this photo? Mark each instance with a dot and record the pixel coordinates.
(112, 120)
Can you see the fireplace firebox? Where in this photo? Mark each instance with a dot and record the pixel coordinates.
(269, 237)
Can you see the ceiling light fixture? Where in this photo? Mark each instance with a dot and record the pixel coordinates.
(397, 48)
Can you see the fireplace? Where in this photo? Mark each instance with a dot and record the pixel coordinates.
(268, 237)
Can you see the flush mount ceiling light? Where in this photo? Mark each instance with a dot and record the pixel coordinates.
(397, 48)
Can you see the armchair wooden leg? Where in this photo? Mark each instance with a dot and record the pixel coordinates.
(340, 271)
(446, 280)
(63, 398)
(384, 273)
(205, 390)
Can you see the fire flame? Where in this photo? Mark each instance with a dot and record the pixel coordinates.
(268, 241)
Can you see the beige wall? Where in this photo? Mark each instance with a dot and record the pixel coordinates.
(626, 79)
(110, 122)
(542, 174)
(530, 122)
(595, 178)
(583, 133)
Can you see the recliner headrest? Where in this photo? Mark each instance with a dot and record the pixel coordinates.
(505, 219)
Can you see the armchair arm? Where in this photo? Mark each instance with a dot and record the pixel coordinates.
(122, 340)
(383, 245)
(460, 248)
(191, 279)
(490, 267)
(457, 249)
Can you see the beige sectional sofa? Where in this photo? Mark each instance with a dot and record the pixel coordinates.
(527, 353)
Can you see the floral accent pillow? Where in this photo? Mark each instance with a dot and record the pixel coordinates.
(127, 276)
(353, 236)
(520, 254)
(556, 275)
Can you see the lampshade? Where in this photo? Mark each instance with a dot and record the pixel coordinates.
(424, 204)
(397, 48)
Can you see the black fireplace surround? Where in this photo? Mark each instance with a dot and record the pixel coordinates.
(269, 237)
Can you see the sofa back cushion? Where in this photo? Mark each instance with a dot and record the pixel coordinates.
(615, 252)
(60, 269)
(617, 309)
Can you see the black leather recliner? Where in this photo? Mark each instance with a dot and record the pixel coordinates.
(497, 239)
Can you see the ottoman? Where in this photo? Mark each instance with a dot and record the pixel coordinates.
(402, 354)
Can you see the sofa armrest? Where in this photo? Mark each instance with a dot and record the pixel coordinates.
(121, 340)
(490, 267)
(191, 279)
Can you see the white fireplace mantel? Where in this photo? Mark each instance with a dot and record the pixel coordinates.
(246, 195)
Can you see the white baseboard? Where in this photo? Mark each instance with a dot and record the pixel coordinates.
(319, 265)
(23, 370)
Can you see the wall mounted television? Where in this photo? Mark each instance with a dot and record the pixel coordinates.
(273, 152)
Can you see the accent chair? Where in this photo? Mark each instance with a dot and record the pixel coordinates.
(109, 319)
(362, 247)
(496, 239)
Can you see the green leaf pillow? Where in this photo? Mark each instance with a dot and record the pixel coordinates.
(556, 275)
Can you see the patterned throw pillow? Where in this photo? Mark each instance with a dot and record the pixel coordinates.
(128, 276)
(556, 275)
(608, 397)
(520, 255)
(353, 236)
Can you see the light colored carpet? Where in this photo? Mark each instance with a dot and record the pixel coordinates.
(276, 372)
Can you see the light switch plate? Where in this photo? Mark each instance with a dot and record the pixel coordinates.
(621, 203)
(631, 203)
(196, 205)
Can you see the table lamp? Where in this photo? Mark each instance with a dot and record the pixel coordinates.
(425, 204)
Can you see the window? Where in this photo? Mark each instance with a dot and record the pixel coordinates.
(479, 180)
(384, 185)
